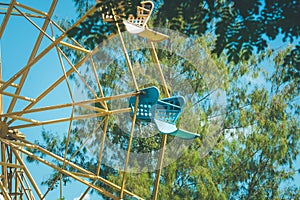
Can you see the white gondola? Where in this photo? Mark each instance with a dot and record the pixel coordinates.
(138, 25)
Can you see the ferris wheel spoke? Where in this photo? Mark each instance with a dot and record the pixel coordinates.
(104, 104)
(24, 119)
(54, 85)
(6, 17)
(33, 183)
(11, 85)
(16, 96)
(77, 72)
(80, 103)
(63, 171)
(22, 112)
(24, 184)
(35, 48)
(83, 173)
(85, 104)
(66, 119)
(4, 191)
(45, 51)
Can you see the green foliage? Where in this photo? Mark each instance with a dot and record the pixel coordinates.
(241, 27)
(93, 30)
(254, 155)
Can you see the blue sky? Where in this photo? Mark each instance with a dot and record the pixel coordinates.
(16, 47)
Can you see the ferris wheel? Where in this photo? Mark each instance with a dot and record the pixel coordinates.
(37, 91)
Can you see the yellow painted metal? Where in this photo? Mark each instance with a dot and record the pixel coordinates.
(164, 136)
(4, 168)
(72, 156)
(11, 165)
(159, 69)
(96, 109)
(57, 82)
(34, 58)
(74, 47)
(108, 194)
(15, 13)
(129, 147)
(79, 103)
(4, 191)
(62, 30)
(45, 51)
(85, 173)
(78, 73)
(104, 104)
(100, 156)
(12, 85)
(126, 54)
(32, 9)
(33, 54)
(18, 96)
(20, 160)
(66, 119)
(25, 189)
(25, 119)
(6, 17)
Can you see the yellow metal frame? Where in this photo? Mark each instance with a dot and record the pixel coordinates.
(14, 144)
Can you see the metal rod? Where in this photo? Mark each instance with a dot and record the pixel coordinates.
(104, 104)
(78, 73)
(74, 47)
(108, 194)
(99, 158)
(79, 103)
(4, 191)
(34, 185)
(45, 51)
(57, 82)
(18, 96)
(12, 85)
(164, 136)
(53, 121)
(72, 156)
(16, 176)
(62, 30)
(126, 54)
(31, 9)
(24, 119)
(11, 165)
(27, 14)
(23, 186)
(129, 146)
(1, 98)
(33, 53)
(158, 68)
(86, 173)
(93, 108)
(6, 17)
(4, 168)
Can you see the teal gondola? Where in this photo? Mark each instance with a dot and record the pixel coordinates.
(164, 113)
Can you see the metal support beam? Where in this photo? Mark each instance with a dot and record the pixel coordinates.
(6, 18)
(164, 136)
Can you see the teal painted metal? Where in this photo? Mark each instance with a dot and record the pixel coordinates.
(164, 113)
(169, 109)
(148, 98)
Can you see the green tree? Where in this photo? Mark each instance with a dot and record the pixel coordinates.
(255, 154)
